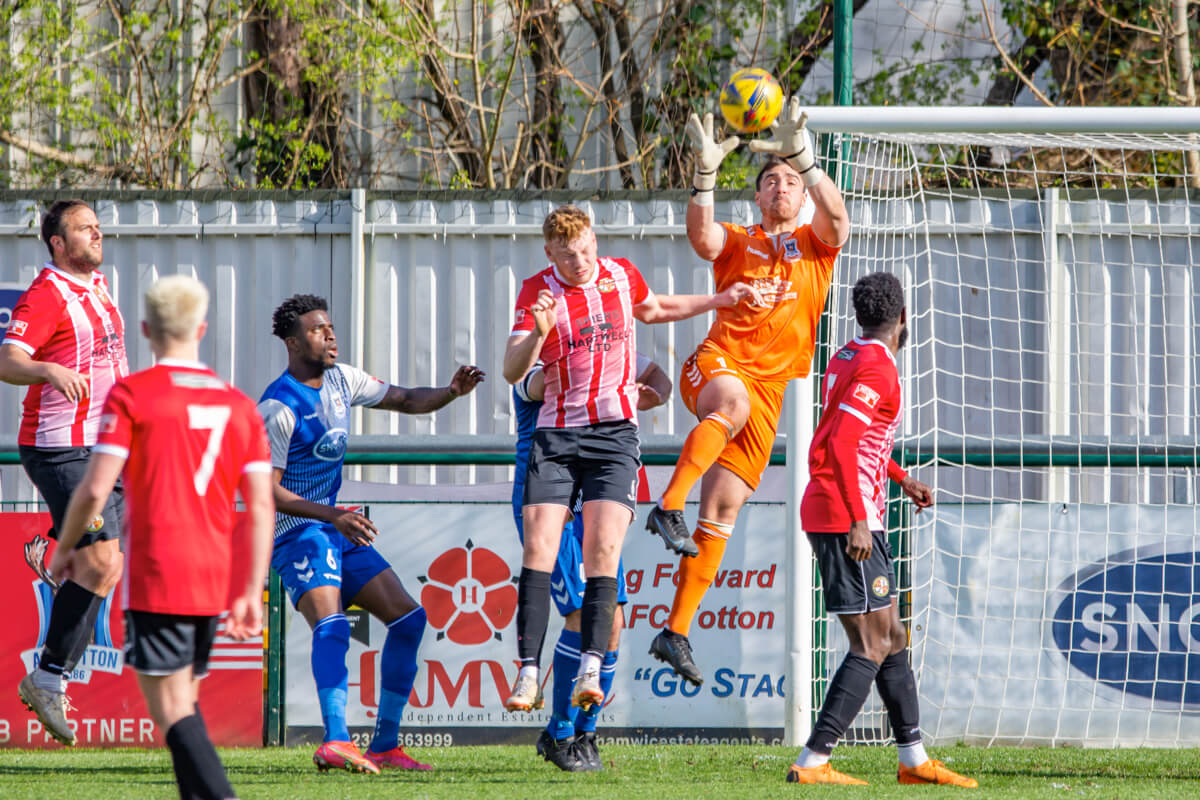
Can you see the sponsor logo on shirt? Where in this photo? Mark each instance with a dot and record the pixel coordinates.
(756, 252)
(18, 327)
(331, 446)
(866, 394)
(774, 290)
(519, 316)
(847, 355)
(339, 408)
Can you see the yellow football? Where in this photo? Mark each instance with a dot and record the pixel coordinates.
(751, 100)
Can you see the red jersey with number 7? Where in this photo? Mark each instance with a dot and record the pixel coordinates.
(188, 437)
(852, 445)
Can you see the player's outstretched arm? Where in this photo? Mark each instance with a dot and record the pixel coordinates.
(674, 307)
(705, 235)
(423, 399)
(792, 142)
(245, 609)
(86, 503)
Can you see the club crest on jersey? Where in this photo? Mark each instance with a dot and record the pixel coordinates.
(339, 408)
(96, 524)
(18, 327)
(606, 285)
(331, 446)
(790, 248)
(880, 586)
(866, 394)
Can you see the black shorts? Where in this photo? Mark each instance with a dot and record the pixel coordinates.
(849, 586)
(163, 644)
(56, 471)
(599, 462)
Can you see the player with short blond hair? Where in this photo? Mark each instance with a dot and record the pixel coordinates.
(186, 442)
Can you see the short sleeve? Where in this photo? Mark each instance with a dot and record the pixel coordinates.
(34, 319)
(523, 321)
(867, 388)
(639, 292)
(279, 422)
(365, 389)
(116, 422)
(729, 259)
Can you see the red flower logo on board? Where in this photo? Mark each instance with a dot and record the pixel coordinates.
(469, 595)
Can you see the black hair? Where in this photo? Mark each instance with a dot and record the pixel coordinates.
(52, 222)
(771, 162)
(878, 300)
(286, 318)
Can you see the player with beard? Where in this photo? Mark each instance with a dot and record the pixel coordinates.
(323, 553)
(843, 513)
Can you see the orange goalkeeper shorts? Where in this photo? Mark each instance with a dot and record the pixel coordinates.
(748, 453)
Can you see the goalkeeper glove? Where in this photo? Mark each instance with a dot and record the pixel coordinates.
(710, 154)
(791, 142)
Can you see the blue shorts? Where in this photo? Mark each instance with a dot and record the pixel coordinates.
(567, 581)
(315, 554)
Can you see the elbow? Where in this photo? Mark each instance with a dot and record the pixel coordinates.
(511, 376)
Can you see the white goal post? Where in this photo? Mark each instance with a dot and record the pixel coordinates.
(1051, 262)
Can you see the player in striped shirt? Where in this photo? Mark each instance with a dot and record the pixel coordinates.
(843, 513)
(186, 442)
(323, 554)
(569, 740)
(66, 342)
(577, 316)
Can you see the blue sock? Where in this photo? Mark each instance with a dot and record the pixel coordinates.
(330, 642)
(586, 721)
(566, 665)
(398, 668)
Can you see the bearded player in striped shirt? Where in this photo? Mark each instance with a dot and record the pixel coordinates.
(577, 316)
(843, 513)
(66, 342)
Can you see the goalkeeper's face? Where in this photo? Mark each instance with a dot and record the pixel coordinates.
(576, 259)
(781, 194)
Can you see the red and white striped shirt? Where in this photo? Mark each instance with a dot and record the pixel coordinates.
(63, 319)
(849, 461)
(590, 356)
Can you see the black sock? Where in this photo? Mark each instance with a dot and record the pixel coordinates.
(596, 614)
(198, 769)
(533, 614)
(843, 700)
(898, 688)
(69, 632)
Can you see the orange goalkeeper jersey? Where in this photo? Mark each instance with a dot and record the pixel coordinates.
(792, 271)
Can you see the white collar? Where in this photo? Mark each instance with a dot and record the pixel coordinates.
(873, 341)
(68, 276)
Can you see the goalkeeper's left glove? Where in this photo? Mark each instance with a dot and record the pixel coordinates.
(791, 141)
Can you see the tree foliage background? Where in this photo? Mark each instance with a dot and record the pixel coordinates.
(510, 93)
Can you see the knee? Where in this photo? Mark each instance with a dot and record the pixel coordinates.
(104, 564)
(736, 409)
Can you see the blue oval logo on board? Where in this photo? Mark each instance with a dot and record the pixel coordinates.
(332, 445)
(1134, 624)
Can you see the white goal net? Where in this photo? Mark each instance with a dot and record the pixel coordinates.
(1051, 388)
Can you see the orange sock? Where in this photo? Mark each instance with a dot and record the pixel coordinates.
(696, 575)
(700, 451)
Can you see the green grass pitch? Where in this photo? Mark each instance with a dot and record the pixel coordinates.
(632, 772)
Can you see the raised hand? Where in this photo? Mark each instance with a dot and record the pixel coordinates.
(791, 141)
(465, 380)
(710, 154)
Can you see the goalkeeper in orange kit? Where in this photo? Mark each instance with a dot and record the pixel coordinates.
(735, 380)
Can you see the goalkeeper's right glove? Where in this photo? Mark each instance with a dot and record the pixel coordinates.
(791, 141)
(710, 155)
